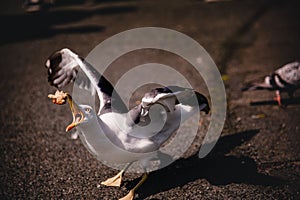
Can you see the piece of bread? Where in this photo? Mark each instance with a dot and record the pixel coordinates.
(59, 97)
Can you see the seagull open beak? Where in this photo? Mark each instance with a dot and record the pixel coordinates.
(78, 115)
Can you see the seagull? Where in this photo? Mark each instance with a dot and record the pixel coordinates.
(115, 133)
(284, 79)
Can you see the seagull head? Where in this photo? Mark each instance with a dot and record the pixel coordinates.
(81, 113)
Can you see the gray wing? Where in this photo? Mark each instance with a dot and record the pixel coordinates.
(168, 97)
(289, 74)
(63, 67)
(173, 95)
(161, 112)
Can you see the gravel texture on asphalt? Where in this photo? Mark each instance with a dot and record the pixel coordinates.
(258, 154)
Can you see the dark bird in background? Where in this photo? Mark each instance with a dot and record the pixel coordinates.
(284, 79)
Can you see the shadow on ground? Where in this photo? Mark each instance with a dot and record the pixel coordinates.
(285, 102)
(217, 168)
(36, 26)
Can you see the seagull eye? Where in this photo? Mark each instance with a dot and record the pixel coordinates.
(87, 110)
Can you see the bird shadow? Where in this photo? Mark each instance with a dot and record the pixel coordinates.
(285, 102)
(217, 168)
(23, 27)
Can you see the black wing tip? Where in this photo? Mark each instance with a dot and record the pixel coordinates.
(203, 100)
(54, 60)
(206, 109)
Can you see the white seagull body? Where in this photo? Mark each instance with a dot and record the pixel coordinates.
(115, 134)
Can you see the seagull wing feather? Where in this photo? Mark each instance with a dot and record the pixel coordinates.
(290, 73)
(64, 67)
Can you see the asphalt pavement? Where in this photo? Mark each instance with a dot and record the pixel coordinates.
(258, 153)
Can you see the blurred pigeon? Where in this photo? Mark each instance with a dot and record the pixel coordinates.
(284, 79)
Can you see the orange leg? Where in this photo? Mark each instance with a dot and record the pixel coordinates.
(131, 193)
(278, 98)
